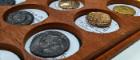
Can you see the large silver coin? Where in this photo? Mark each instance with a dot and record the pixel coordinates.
(49, 44)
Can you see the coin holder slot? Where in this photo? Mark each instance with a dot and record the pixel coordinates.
(9, 52)
(132, 4)
(74, 41)
(81, 22)
(39, 15)
(37, 11)
(55, 5)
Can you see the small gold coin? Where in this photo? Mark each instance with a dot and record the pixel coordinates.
(69, 4)
(99, 19)
(124, 10)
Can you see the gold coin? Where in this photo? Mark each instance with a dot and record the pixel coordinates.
(69, 4)
(124, 10)
(99, 19)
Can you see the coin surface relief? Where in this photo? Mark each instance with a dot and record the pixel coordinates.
(20, 18)
(126, 10)
(69, 4)
(99, 19)
(49, 44)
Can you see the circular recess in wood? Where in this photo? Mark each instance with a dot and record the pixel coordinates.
(81, 22)
(133, 4)
(38, 13)
(55, 5)
(65, 29)
(11, 52)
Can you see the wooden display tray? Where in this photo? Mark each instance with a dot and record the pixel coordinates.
(120, 47)
(93, 45)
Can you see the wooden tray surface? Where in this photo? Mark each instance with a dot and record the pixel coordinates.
(93, 45)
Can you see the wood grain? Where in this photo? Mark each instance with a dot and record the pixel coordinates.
(93, 44)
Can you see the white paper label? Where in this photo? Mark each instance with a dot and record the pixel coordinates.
(7, 55)
(39, 15)
(83, 24)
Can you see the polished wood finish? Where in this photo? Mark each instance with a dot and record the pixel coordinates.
(120, 47)
(93, 45)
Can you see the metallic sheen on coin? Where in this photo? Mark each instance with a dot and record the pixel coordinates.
(49, 44)
(126, 10)
(20, 18)
(7, 2)
(69, 4)
(99, 19)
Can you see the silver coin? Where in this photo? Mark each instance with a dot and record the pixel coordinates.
(49, 44)
(20, 18)
(7, 2)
